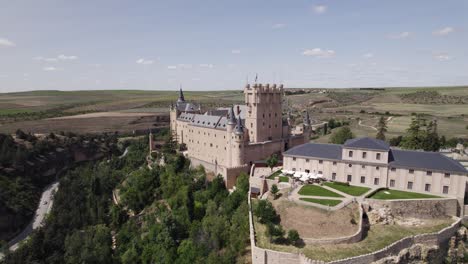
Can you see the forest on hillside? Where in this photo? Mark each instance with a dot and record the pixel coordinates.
(28, 163)
(168, 214)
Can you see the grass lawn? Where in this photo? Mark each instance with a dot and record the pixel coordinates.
(315, 190)
(378, 237)
(394, 195)
(281, 178)
(327, 202)
(348, 189)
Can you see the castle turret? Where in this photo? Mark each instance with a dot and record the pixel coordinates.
(237, 145)
(231, 121)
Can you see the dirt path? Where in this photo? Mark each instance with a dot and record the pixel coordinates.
(373, 127)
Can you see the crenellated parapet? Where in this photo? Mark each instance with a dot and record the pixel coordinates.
(264, 88)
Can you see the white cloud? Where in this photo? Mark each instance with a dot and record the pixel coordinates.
(235, 51)
(50, 69)
(368, 55)
(206, 65)
(278, 26)
(6, 43)
(144, 61)
(319, 53)
(320, 9)
(56, 59)
(443, 31)
(184, 66)
(65, 57)
(442, 57)
(171, 67)
(401, 35)
(39, 58)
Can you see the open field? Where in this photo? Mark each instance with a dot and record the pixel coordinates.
(97, 111)
(312, 222)
(447, 104)
(394, 195)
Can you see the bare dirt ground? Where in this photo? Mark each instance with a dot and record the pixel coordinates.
(315, 223)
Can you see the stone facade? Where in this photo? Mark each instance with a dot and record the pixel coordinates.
(375, 169)
(228, 140)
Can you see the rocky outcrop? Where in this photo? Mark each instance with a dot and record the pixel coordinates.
(418, 253)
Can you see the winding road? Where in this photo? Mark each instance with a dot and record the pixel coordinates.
(44, 207)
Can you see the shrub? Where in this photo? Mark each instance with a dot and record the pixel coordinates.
(293, 237)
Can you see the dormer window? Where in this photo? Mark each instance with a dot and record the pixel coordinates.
(350, 154)
(377, 156)
(364, 155)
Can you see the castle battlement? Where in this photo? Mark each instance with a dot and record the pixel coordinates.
(264, 88)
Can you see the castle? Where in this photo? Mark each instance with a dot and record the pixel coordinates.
(227, 141)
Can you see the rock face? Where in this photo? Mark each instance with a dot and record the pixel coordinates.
(381, 216)
(418, 253)
(421, 253)
(457, 248)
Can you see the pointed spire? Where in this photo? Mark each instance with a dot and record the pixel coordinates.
(307, 119)
(239, 127)
(231, 116)
(181, 95)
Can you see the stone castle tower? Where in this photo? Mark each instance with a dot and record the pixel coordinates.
(264, 115)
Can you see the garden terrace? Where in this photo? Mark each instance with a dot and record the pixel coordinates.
(348, 189)
(388, 194)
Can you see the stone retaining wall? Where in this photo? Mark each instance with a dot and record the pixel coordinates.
(417, 208)
(438, 238)
(266, 256)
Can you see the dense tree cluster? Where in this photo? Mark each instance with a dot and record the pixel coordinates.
(341, 135)
(266, 214)
(29, 163)
(168, 214)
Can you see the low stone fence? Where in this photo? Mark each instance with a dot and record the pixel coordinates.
(429, 239)
(417, 208)
(266, 256)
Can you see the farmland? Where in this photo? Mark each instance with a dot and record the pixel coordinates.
(127, 110)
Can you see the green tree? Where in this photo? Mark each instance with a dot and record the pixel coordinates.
(432, 140)
(265, 212)
(274, 190)
(341, 135)
(381, 129)
(293, 237)
(415, 136)
(272, 161)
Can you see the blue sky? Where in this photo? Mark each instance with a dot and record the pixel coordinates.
(216, 44)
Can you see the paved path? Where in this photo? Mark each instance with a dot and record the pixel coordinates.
(44, 207)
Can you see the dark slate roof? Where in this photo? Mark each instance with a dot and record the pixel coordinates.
(367, 143)
(186, 107)
(205, 120)
(185, 117)
(424, 160)
(325, 151)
